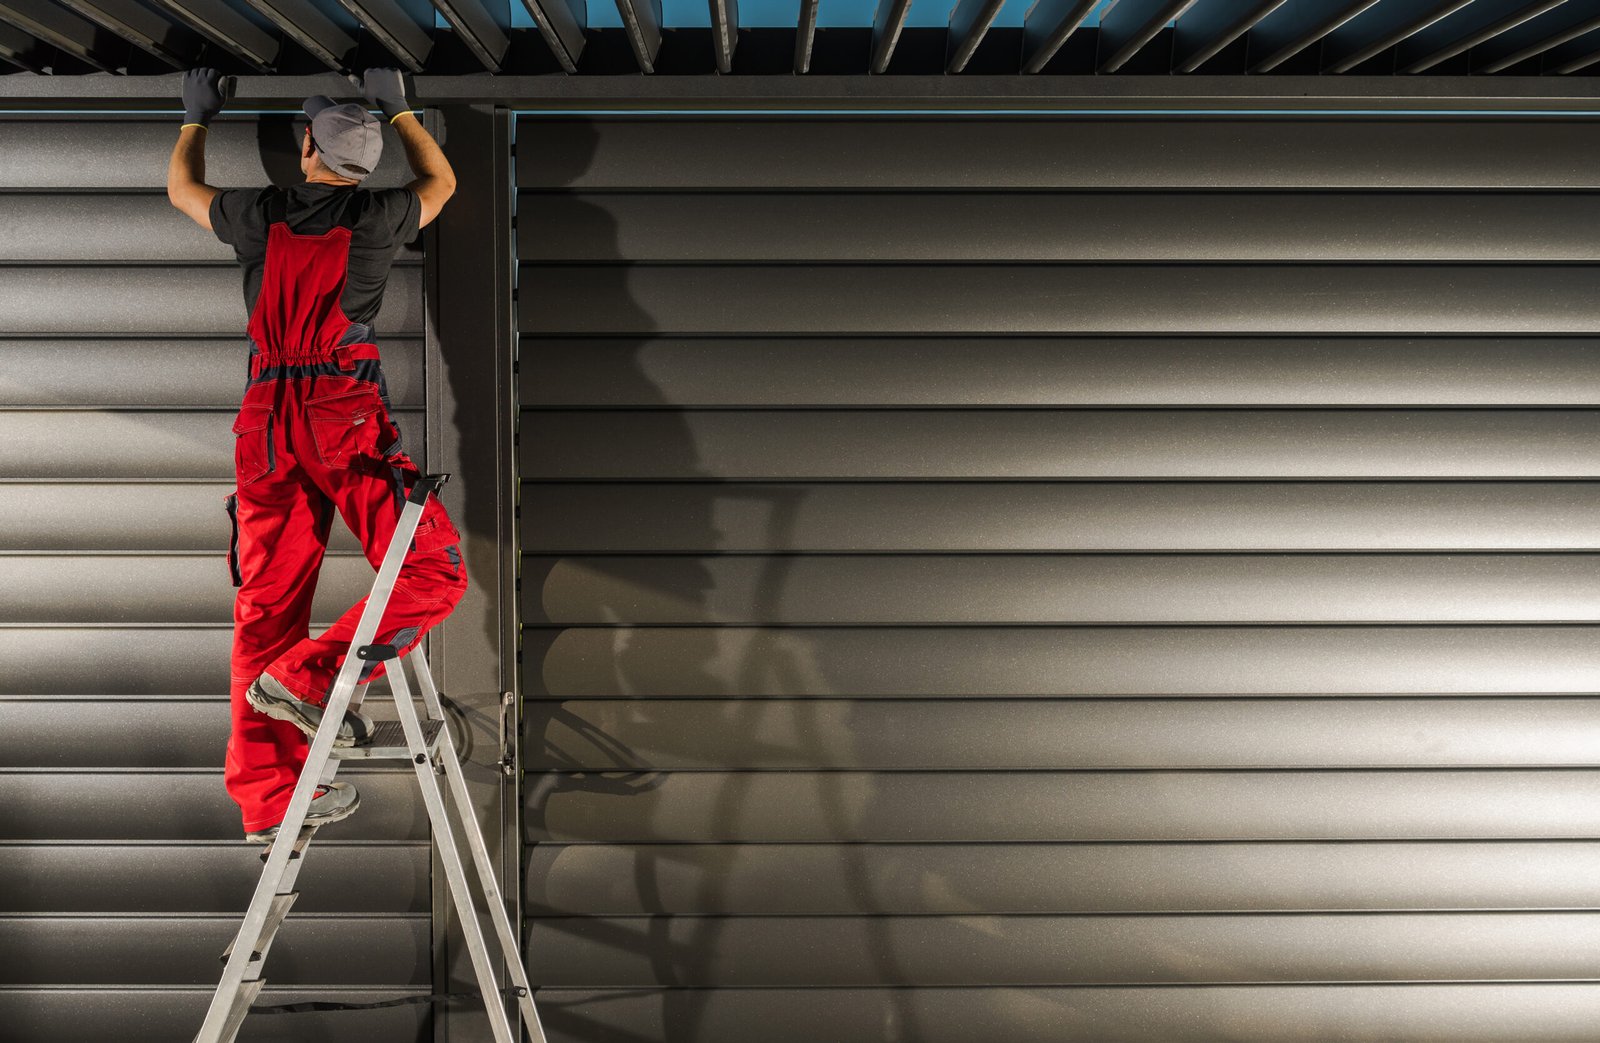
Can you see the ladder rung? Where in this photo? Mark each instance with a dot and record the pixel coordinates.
(389, 743)
(269, 929)
(298, 848)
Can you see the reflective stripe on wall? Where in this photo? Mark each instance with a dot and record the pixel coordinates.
(122, 363)
(1060, 579)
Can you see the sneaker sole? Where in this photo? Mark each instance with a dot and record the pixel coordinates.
(317, 820)
(284, 710)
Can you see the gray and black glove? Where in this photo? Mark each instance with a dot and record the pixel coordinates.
(203, 95)
(386, 89)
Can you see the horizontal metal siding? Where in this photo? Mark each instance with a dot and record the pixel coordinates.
(1008, 372)
(1452, 1013)
(977, 569)
(122, 360)
(1079, 661)
(895, 153)
(1028, 878)
(1109, 226)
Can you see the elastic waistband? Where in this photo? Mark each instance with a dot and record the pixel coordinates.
(343, 354)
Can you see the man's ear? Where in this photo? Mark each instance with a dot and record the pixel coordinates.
(307, 150)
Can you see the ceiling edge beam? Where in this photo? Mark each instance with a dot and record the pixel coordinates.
(1295, 26)
(1045, 29)
(1478, 23)
(854, 92)
(724, 32)
(561, 23)
(642, 19)
(1127, 25)
(969, 21)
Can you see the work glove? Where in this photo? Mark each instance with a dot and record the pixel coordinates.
(387, 90)
(204, 94)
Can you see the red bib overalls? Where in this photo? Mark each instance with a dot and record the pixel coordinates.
(314, 436)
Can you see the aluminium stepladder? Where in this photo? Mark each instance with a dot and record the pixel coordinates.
(428, 746)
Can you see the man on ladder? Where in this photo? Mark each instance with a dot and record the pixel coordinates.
(313, 434)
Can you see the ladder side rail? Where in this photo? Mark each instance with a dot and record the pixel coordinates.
(455, 779)
(455, 873)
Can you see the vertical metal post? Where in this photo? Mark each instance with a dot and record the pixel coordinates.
(471, 403)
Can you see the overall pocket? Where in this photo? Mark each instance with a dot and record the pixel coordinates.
(253, 454)
(230, 503)
(349, 427)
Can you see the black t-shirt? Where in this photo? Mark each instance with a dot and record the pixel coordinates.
(381, 222)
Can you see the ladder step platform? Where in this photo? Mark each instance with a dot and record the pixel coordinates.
(389, 743)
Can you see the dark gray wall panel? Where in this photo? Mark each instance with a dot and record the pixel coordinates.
(1297, 418)
(122, 362)
(317, 949)
(1040, 950)
(687, 517)
(131, 300)
(657, 371)
(617, 735)
(176, 804)
(849, 807)
(66, 517)
(131, 154)
(955, 879)
(1107, 661)
(169, 588)
(127, 731)
(86, 444)
(217, 877)
(163, 372)
(149, 660)
(1445, 1013)
(1041, 299)
(1020, 589)
(168, 1015)
(647, 227)
(63, 228)
(1101, 444)
(986, 152)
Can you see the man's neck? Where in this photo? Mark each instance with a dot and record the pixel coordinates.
(336, 182)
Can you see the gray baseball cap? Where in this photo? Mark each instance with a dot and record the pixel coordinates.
(347, 137)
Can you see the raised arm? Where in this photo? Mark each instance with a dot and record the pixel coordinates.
(186, 171)
(435, 182)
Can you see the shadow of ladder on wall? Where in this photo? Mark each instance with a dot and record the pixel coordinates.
(431, 751)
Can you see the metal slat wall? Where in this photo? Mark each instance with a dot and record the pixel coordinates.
(122, 872)
(1060, 579)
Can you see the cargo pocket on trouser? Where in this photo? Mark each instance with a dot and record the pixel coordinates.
(230, 503)
(253, 454)
(435, 531)
(349, 427)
